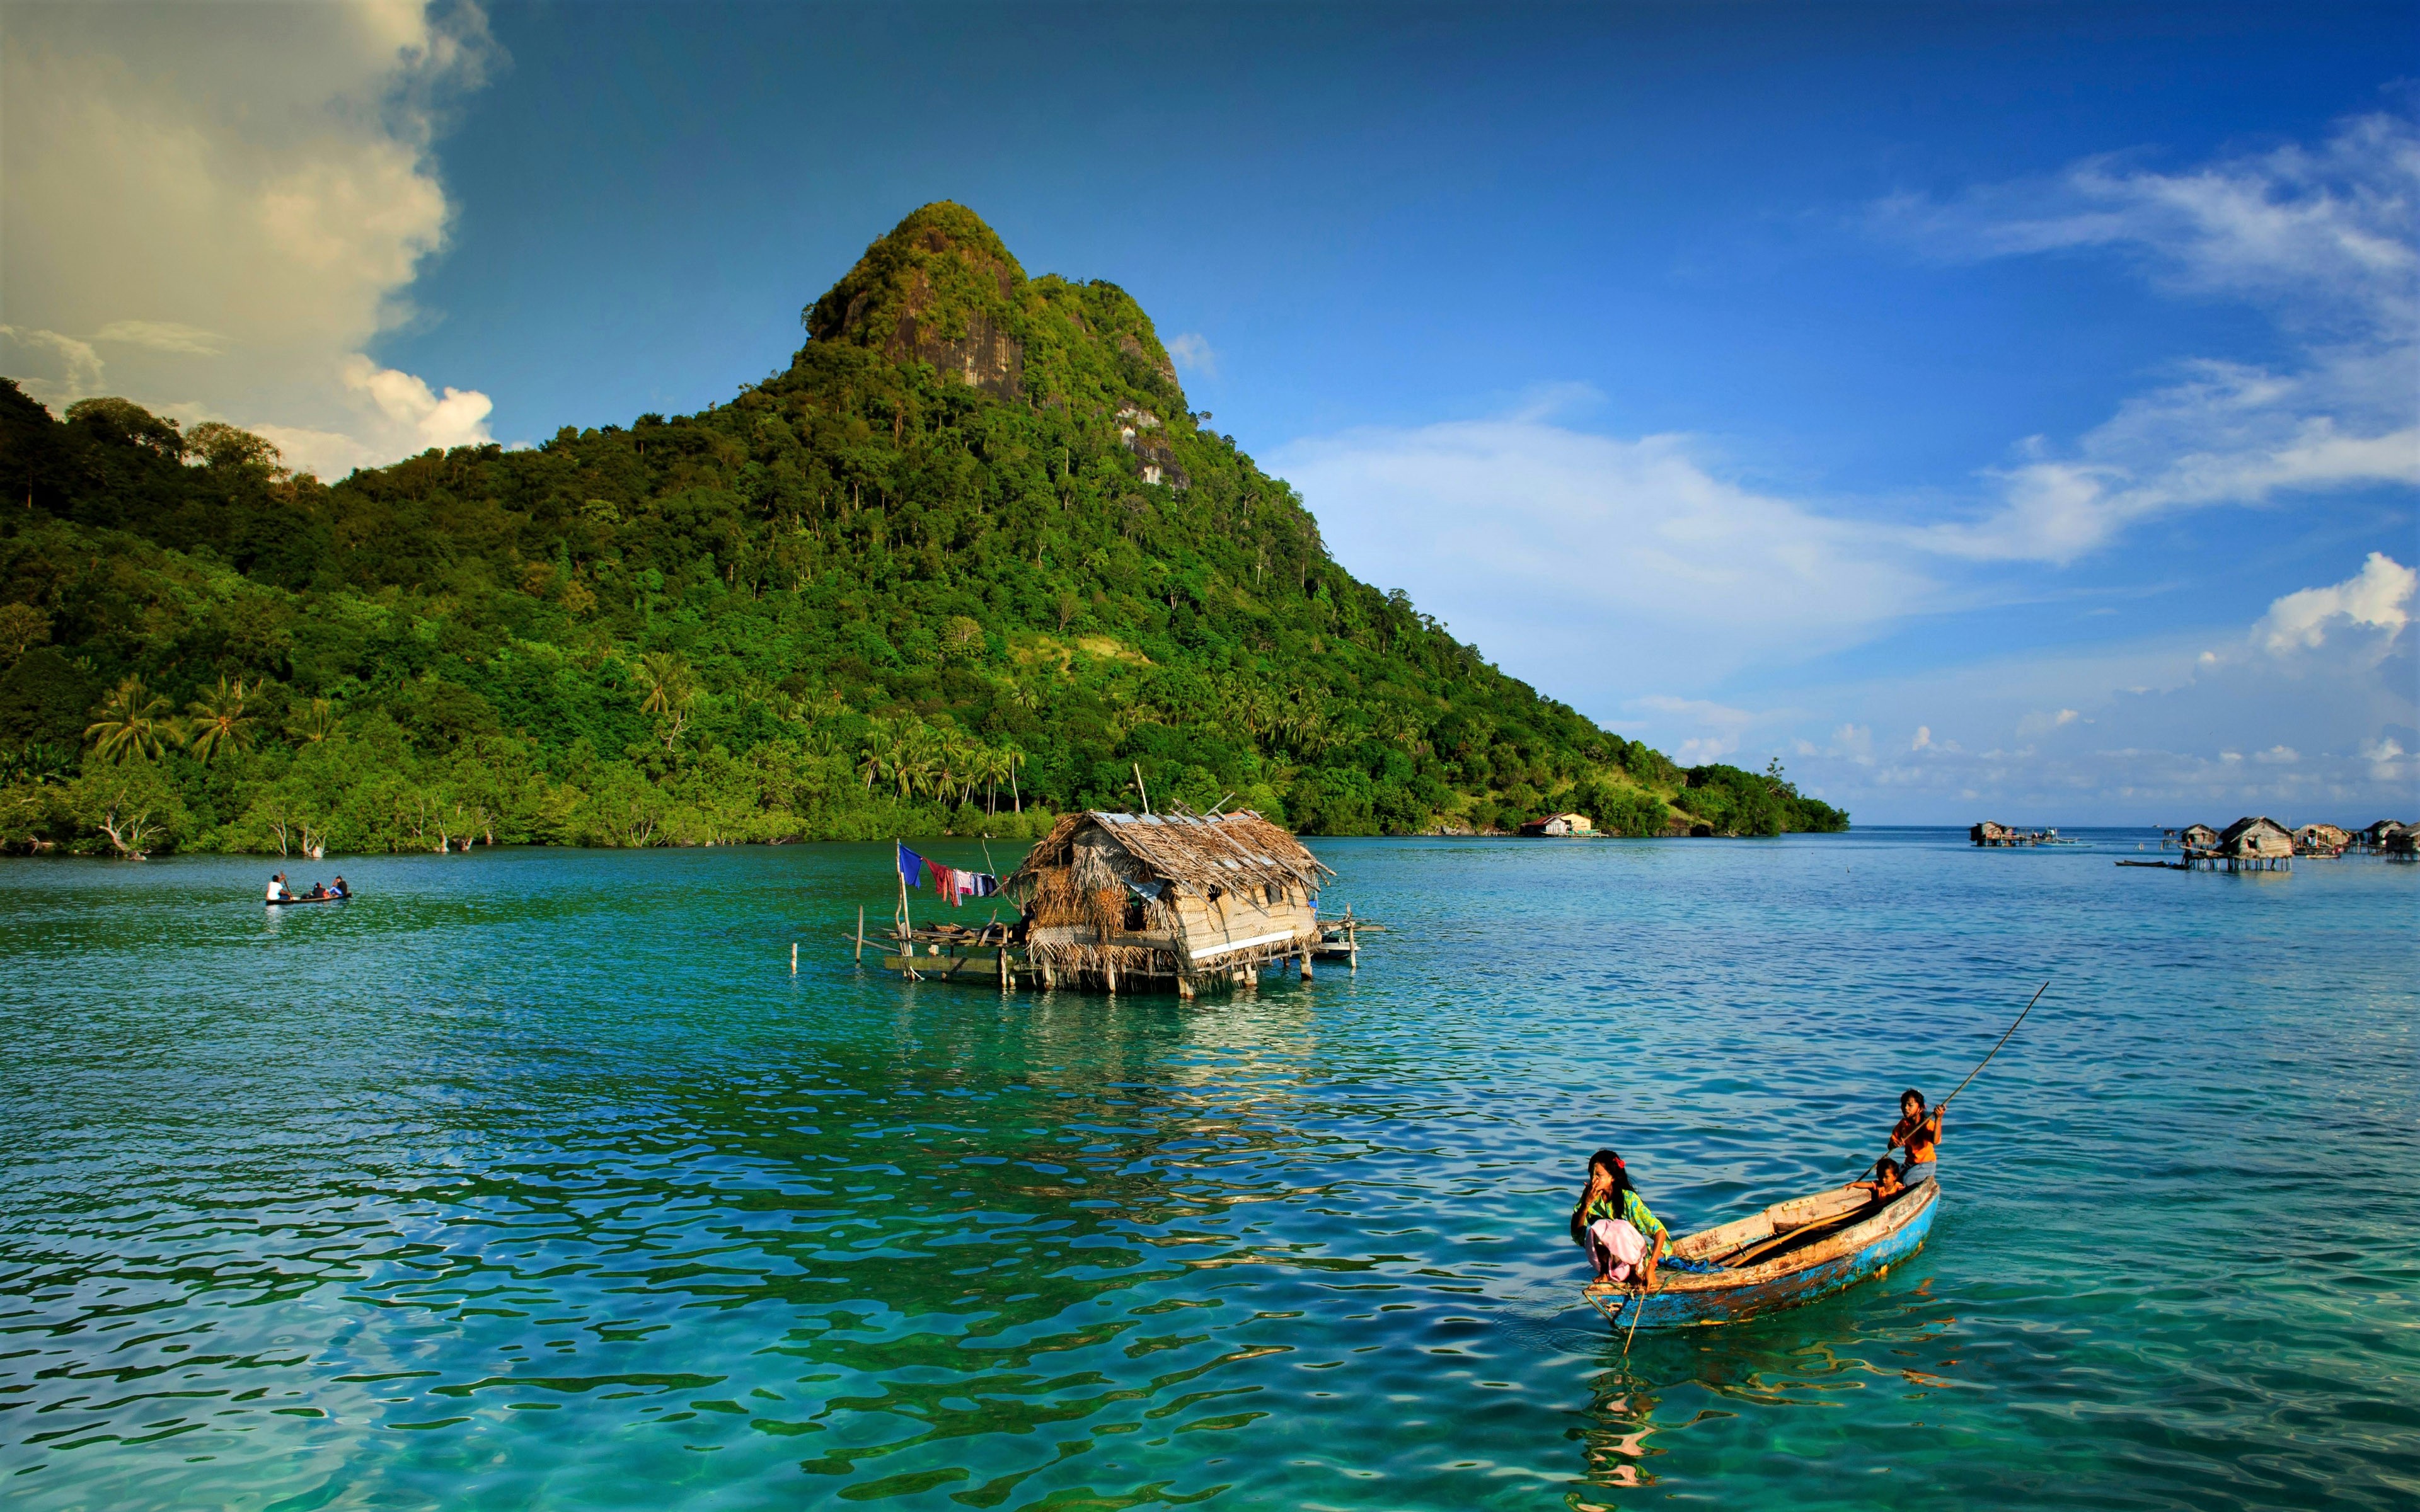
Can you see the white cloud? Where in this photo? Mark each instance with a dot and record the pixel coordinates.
(1558, 549)
(214, 210)
(1578, 558)
(76, 363)
(163, 336)
(2327, 242)
(2164, 730)
(2385, 756)
(1719, 725)
(1190, 351)
(2375, 596)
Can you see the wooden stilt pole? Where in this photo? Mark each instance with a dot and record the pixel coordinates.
(861, 934)
(793, 957)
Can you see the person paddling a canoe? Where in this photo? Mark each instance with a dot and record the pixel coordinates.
(1920, 1133)
(1624, 1239)
(277, 892)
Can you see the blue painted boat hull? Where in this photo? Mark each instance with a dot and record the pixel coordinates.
(1688, 1301)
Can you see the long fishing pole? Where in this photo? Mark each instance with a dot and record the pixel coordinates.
(1987, 1058)
(1996, 1049)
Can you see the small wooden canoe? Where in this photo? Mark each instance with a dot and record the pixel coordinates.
(331, 898)
(1792, 1252)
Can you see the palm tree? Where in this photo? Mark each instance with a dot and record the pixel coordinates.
(134, 721)
(1011, 759)
(953, 761)
(985, 765)
(313, 724)
(873, 754)
(671, 691)
(919, 760)
(219, 722)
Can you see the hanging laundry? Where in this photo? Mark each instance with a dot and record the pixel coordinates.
(911, 867)
(946, 881)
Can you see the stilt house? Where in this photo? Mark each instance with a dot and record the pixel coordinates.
(2322, 840)
(1112, 899)
(2257, 839)
(2199, 837)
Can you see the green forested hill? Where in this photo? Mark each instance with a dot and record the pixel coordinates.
(971, 557)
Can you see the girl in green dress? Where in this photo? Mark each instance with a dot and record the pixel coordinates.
(1624, 1239)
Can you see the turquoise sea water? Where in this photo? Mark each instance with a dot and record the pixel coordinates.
(536, 1179)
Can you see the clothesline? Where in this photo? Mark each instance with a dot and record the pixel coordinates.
(950, 883)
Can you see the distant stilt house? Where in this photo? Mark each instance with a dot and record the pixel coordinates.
(2199, 838)
(1989, 833)
(2376, 835)
(2322, 840)
(1559, 823)
(2402, 844)
(2253, 843)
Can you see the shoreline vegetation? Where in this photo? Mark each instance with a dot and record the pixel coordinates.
(969, 562)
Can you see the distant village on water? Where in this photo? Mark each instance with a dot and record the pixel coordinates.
(2253, 843)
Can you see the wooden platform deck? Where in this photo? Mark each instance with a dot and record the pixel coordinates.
(987, 957)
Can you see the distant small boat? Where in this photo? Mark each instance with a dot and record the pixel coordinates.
(1792, 1252)
(326, 898)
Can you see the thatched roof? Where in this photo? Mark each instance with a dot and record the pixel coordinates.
(2255, 835)
(1223, 851)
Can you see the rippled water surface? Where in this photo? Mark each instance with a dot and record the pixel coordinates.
(536, 1179)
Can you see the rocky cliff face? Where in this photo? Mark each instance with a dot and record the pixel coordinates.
(942, 288)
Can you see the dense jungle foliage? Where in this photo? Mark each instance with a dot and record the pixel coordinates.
(968, 561)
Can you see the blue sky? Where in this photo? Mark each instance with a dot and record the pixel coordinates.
(1941, 399)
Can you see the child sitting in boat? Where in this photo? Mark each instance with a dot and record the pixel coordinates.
(1613, 1225)
(1886, 1183)
(1921, 1134)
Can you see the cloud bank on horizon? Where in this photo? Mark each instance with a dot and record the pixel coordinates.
(1582, 560)
(215, 210)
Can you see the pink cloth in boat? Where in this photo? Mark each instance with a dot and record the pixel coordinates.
(1616, 1247)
